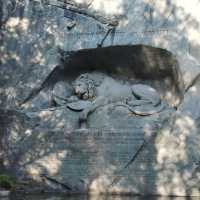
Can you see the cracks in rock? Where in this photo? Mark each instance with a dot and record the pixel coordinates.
(193, 82)
(83, 10)
(64, 185)
(136, 154)
(116, 179)
(110, 31)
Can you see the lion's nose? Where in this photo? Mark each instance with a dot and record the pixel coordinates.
(77, 92)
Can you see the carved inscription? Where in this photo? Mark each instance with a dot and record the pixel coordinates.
(95, 152)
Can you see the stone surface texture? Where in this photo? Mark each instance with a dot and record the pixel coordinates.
(118, 151)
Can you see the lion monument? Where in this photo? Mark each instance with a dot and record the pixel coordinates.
(99, 90)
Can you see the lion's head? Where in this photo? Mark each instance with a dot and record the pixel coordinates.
(84, 87)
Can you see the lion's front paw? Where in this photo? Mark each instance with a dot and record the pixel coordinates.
(83, 116)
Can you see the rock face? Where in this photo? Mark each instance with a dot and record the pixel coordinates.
(81, 141)
(177, 148)
(48, 145)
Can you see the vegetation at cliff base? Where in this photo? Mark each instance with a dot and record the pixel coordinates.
(6, 181)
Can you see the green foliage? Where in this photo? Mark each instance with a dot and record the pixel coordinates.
(6, 181)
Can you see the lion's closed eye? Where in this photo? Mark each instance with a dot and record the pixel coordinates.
(84, 87)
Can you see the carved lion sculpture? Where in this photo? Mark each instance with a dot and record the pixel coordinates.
(132, 61)
(140, 99)
(85, 87)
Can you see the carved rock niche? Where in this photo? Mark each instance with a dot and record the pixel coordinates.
(107, 107)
